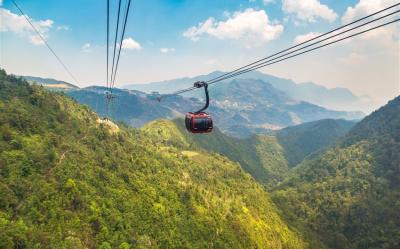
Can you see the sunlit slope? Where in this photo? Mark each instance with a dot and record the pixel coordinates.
(350, 194)
(260, 156)
(69, 180)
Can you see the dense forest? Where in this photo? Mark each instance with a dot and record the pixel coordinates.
(268, 158)
(350, 194)
(71, 180)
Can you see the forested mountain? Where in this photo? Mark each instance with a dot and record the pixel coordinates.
(268, 158)
(240, 107)
(335, 98)
(350, 194)
(261, 156)
(71, 180)
(302, 140)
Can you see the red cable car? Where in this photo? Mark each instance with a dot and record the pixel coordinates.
(200, 121)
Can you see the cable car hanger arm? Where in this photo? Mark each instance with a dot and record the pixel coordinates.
(200, 84)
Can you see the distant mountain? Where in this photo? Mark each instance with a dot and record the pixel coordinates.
(131, 107)
(335, 98)
(349, 194)
(257, 104)
(240, 107)
(50, 83)
(302, 140)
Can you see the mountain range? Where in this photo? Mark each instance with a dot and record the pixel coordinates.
(70, 179)
(330, 98)
(240, 107)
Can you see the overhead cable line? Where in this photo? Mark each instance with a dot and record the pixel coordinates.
(262, 63)
(307, 41)
(120, 44)
(307, 46)
(108, 37)
(312, 49)
(115, 43)
(46, 43)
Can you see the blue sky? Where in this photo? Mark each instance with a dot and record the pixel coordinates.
(170, 39)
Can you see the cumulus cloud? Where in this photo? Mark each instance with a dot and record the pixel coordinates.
(130, 44)
(251, 26)
(308, 10)
(167, 50)
(17, 24)
(365, 7)
(305, 37)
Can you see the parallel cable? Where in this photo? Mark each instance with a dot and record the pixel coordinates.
(309, 50)
(115, 42)
(310, 45)
(120, 44)
(292, 56)
(302, 43)
(46, 43)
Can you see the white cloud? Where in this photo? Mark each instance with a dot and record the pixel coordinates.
(1, 2)
(308, 10)
(268, 1)
(63, 27)
(365, 7)
(305, 37)
(167, 50)
(86, 48)
(251, 26)
(17, 24)
(130, 44)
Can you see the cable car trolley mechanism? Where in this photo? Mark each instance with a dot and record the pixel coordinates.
(200, 121)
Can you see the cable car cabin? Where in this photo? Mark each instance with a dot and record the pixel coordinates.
(198, 122)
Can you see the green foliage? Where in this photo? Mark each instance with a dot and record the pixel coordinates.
(349, 195)
(310, 138)
(69, 180)
(261, 156)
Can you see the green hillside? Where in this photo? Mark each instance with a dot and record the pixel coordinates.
(267, 158)
(350, 194)
(260, 156)
(302, 140)
(70, 180)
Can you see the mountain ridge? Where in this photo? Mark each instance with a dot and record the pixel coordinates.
(338, 98)
(238, 110)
